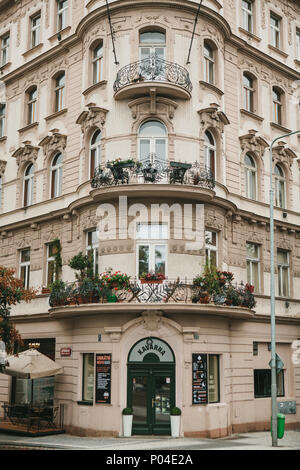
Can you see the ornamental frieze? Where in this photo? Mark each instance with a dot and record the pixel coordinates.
(91, 118)
(26, 153)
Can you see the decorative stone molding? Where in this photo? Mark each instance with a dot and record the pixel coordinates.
(282, 154)
(91, 118)
(26, 153)
(55, 142)
(152, 320)
(2, 167)
(213, 118)
(145, 107)
(253, 143)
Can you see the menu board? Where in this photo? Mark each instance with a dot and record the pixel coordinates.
(199, 379)
(103, 378)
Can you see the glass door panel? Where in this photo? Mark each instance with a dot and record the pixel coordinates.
(139, 400)
(162, 400)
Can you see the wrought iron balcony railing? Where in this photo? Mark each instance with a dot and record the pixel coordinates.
(153, 69)
(153, 170)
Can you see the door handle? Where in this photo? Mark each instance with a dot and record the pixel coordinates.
(153, 402)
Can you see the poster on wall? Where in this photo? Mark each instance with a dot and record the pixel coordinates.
(199, 379)
(103, 378)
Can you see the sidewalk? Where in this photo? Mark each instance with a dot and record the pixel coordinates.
(247, 441)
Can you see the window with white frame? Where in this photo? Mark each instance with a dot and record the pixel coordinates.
(253, 265)
(250, 176)
(280, 187)
(283, 266)
(209, 63)
(62, 14)
(247, 15)
(59, 92)
(152, 43)
(275, 24)
(32, 105)
(88, 381)
(152, 248)
(28, 185)
(95, 152)
(50, 267)
(4, 49)
(152, 141)
(298, 44)
(277, 106)
(1, 191)
(211, 248)
(56, 176)
(25, 267)
(35, 30)
(2, 119)
(92, 244)
(210, 152)
(248, 93)
(98, 63)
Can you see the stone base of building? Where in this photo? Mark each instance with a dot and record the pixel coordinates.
(82, 432)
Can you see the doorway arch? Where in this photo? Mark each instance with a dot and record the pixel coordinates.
(151, 386)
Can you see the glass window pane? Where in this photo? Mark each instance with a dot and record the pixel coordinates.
(213, 378)
(139, 399)
(152, 129)
(88, 377)
(160, 149)
(25, 255)
(255, 277)
(144, 149)
(160, 259)
(152, 37)
(282, 257)
(143, 259)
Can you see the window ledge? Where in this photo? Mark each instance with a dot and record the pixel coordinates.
(297, 61)
(3, 139)
(85, 403)
(56, 114)
(5, 66)
(29, 126)
(62, 32)
(251, 114)
(94, 87)
(33, 49)
(280, 127)
(212, 87)
(279, 51)
(250, 35)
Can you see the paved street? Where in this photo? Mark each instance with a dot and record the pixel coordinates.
(247, 441)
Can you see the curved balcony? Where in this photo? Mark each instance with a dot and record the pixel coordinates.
(154, 176)
(136, 79)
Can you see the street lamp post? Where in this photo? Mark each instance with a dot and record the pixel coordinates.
(272, 294)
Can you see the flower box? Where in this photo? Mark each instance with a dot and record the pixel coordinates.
(154, 281)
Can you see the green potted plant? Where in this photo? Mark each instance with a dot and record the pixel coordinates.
(59, 293)
(81, 263)
(127, 421)
(175, 415)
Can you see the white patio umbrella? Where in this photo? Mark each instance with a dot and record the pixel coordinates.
(31, 364)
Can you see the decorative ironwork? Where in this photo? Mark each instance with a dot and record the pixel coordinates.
(153, 68)
(153, 170)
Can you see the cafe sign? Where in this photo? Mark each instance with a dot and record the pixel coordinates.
(151, 346)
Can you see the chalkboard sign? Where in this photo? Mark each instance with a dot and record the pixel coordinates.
(103, 378)
(199, 379)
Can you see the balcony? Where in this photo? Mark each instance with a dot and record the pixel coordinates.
(168, 79)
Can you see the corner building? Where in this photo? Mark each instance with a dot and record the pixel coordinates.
(76, 97)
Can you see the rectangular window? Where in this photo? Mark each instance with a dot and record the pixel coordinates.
(298, 45)
(247, 13)
(253, 266)
(2, 120)
(50, 275)
(255, 348)
(205, 378)
(4, 49)
(25, 267)
(60, 93)
(213, 379)
(275, 24)
(151, 249)
(88, 377)
(62, 14)
(211, 248)
(35, 30)
(92, 243)
(262, 383)
(283, 273)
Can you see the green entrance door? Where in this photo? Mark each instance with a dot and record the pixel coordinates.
(151, 387)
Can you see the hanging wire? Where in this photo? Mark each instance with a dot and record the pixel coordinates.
(112, 32)
(195, 24)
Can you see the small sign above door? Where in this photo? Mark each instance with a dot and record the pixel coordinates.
(158, 347)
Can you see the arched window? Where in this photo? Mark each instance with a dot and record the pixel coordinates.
(59, 92)
(277, 106)
(56, 176)
(152, 42)
(209, 63)
(95, 152)
(98, 63)
(32, 105)
(248, 93)
(210, 153)
(28, 185)
(250, 177)
(153, 139)
(280, 187)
